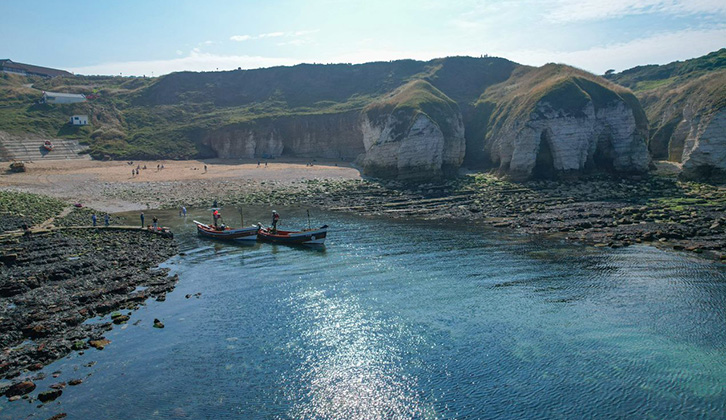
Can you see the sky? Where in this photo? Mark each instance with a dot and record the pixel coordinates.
(155, 37)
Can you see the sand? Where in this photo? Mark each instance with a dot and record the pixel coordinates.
(104, 185)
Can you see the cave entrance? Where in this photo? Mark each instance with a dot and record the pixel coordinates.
(604, 154)
(544, 166)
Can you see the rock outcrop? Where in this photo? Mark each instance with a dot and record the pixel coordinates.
(685, 102)
(416, 133)
(704, 149)
(556, 120)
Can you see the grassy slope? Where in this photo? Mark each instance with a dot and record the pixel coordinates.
(665, 90)
(168, 116)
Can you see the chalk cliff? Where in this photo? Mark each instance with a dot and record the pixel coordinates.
(704, 149)
(330, 136)
(685, 102)
(416, 133)
(557, 120)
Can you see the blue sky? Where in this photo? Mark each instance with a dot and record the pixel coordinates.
(134, 37)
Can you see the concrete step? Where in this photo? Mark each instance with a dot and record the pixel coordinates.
(32, 149)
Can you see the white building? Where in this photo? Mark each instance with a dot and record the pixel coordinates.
(63, 98)
(79, 120)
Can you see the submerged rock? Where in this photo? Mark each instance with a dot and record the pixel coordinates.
(49, 395)
(99, 344)
(20, 388)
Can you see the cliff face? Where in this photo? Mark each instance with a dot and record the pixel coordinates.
(564, 122)
(704, 149)
(422, 151)
(416, 133)
(685, 103)
(332, 136)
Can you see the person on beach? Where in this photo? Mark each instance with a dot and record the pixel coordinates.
(205, 168)
(275, 219)
(133, 172)
(155, 222)
(215, 216)
(106, 220)
(94, 219)
(183, 211)
(142, 220)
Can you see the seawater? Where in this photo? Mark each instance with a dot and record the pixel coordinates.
(399, 320)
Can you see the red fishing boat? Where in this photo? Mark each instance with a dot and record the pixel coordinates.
(300, 237)
(227, 233)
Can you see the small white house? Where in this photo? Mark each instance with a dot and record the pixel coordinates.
(79, 120)
(62, 98)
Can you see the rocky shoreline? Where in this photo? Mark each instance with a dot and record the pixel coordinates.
(51, 282)
(599, 210)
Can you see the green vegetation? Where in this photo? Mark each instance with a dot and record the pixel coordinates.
(170, 116)
(32, 207)
(653, 76)
(664, 91)
(417, 97)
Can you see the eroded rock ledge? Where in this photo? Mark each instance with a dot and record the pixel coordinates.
(51, 283)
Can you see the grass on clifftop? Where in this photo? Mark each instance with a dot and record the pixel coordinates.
(417, 97)
(562, 87)
(643, 78)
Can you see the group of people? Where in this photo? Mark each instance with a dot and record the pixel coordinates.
(154, 221)
(216, 217)
(135, 171)
(106, 220)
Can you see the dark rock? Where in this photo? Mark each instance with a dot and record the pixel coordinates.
(74, 382)
(20, 388)
(49, 395)
(158, 324)
(59, 385)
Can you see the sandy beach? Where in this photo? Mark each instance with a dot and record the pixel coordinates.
(110, 186)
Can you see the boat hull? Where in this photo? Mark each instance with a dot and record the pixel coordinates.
(248, 234)
(304, 237)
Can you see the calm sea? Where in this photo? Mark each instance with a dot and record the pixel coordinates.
(399, 320)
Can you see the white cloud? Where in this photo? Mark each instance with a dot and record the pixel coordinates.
(658, 49)
(275, 35)
(583, 10)
(308, 32)
(240, 38)
(271, 35)
(294, 42)
(195, 61)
